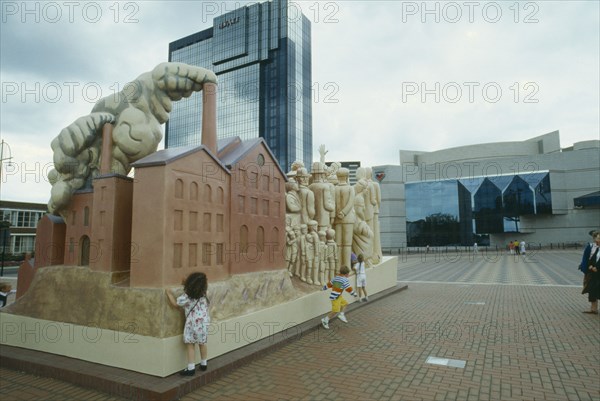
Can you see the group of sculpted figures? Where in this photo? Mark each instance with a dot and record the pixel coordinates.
(327, 220)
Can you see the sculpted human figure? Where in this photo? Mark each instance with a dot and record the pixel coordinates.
(307, 197)
(332, 172)
(362, 239)
(302, 253)
(298, 164)
(312, 252)
(291, 249)
(322, 152)
(324, 193)
(332, 262)
(322, 259)
(368, 195)
(293, 206)
(137, 113)
(377, 255)
(344, 216)
(299, 240)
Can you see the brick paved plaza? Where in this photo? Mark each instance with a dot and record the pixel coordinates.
(513, 325)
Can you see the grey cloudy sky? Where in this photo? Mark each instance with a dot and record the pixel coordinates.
(387, 75)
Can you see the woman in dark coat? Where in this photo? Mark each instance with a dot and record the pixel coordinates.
(589, 266)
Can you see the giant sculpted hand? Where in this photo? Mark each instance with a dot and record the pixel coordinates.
(136, 112)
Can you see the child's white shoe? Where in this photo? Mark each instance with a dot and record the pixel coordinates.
(325, 323)
(342, 317)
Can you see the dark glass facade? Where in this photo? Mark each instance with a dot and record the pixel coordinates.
(463, 211)
(262, 58)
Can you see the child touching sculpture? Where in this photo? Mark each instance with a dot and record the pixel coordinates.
(195, 304)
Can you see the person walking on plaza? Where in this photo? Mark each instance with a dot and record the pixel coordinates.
(195, 304)
(522, 249)
(590, 264)
(338, 285)
(5, 291)
(361, 278)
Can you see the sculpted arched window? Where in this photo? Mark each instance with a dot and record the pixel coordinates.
(179, 189)
(84, 251)
(243, 239)
(207, 193)
(260, 238)
(275, 240)
(193, 191)
(221, 195)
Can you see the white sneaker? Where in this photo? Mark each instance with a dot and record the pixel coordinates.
(325, 323)
(342, 317)
(366, 299)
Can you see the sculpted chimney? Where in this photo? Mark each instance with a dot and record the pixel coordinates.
(107, 145)
(209, 117)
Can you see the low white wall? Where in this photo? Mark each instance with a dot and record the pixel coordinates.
(165, 356)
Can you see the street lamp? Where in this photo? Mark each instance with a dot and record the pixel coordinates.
(2, 158)
(4, 225)
(4, 237)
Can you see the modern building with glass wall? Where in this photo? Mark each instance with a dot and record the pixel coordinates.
(261, 54)
(22, 219)
(490, 194)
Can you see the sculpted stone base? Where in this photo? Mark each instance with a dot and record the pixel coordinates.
(144, 335)
(74, 294)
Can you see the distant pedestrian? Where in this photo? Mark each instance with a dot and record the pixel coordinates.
(590, 263)
(5, 291)
(516, 245)
(511, 247)
(338, 285)
(195, 304)
(475, 248)
(522, 249)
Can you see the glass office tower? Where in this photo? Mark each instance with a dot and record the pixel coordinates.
(261, 54)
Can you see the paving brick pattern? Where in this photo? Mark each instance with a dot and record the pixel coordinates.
(517, 324)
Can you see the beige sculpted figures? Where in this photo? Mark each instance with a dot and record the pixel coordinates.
(330, 219)
(324, 193)
(377, 255)
(291, 249)
(332, 262)
(362, 238)
(368, 195)
(344, 216)
(293, 206)
(311, 266)
(307, 197)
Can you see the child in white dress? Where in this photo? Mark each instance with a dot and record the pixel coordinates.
(195, 304)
